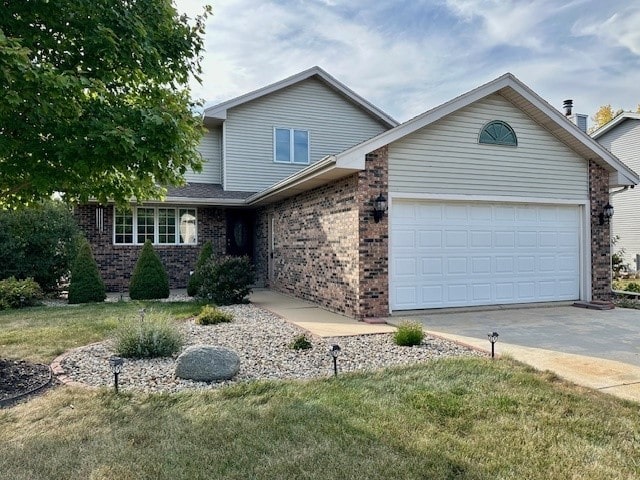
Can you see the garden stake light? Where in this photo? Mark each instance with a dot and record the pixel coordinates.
(116, 367)
(335, 351)
(493, 338)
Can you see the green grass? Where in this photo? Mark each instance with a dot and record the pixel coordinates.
(448, 419)
(40, 334)
(471, 419)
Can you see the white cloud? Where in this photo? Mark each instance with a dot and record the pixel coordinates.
(620, 29)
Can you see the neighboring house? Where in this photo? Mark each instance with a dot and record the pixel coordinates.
(493, 198)
(621, 136)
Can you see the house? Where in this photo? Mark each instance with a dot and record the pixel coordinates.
(621, 136)
(491, 198)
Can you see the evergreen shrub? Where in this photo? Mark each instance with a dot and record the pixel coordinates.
(86, 284)
(149, 280)
(226, 280)
(210, 315)
(196, 279)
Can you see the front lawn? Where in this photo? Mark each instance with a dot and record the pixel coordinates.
(468, 418)
(39, 334)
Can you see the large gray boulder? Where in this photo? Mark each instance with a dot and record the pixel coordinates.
(207, 363)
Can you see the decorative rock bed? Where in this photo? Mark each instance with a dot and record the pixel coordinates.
(261, 341)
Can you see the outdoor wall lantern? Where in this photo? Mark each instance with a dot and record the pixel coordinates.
(379, 207)
(116, 367)
(493, 338)
(607, 213)
(335, 351)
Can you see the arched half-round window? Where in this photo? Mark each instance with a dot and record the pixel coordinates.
(498, 132)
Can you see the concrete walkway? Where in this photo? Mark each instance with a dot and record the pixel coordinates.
(312, 318)
(596, 349)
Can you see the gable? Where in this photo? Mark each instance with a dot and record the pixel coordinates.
(624, 142)
(445, 157)
(333, 122)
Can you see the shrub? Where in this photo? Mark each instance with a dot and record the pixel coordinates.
(150, 337)
(196, 279)
(408, 334)
(633, 287)
(211, 315)
(226, 280)
(39, 242)
(19, 293)
(301, 342)
(86, 283)
(149, 280)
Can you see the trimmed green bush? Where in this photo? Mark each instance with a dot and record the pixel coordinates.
(149, 280)
(196, 279)
(151, 337)
(633, 287)
(86, 284)
(408, 334)
(226, 280)
(301, 342)
(19, 293)
(210, 315)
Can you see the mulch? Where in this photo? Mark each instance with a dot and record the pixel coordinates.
(20, 380)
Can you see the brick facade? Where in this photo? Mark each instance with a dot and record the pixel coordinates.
(116, 262)
(315, 246)
(373, 246)
(600, 234)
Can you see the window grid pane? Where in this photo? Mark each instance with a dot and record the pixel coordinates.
(123, 222)
(188, 225)
(283, 145)
(166, 225)
(146, 225)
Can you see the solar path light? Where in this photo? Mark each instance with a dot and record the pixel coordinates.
(335, 351)
(116, 367)
(493, 338)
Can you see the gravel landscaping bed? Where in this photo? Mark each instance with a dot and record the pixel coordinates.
(261, 340)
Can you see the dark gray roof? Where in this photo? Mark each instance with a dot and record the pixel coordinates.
(206, 191)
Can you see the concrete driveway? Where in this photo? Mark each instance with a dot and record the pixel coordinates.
(594, 348)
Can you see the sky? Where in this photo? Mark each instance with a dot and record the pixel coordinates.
(407, 57)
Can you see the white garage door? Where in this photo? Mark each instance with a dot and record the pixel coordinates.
(455, 254)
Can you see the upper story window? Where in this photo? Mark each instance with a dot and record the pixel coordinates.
(291, 146)
(498, 132)
(160, 225)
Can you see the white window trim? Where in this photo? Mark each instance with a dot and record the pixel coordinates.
(291, 146)
(156, 226)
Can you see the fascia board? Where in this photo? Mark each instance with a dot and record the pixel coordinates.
(613, 123)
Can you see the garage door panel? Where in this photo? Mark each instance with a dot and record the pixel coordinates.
(461, 254)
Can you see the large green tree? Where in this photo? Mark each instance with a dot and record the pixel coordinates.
(95, 98)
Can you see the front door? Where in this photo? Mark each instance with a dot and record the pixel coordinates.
(240, 233)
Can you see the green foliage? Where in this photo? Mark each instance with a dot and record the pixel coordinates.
(226, 280)
(95, 99)
(149, 280)
(150, 337)
(196, 279)
(210, 315)
(19, 293)
(86, 284)
(38, 242)
(301, 342)
(633, 287)
(408, 334)
(618, 265)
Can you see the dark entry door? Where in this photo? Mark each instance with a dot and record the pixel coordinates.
(240, 232)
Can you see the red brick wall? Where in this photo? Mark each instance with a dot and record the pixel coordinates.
(116, 262)
(316, 246)
(600, 234)
(373, 247)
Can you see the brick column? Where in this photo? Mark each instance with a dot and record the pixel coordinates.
(373, 246)
(600, 234)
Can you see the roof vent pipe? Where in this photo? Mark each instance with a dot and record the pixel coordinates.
(568, 106)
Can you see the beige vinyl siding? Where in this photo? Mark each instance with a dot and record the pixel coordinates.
(334, 124)
(446, 158)
(624, 142)
(211, 150)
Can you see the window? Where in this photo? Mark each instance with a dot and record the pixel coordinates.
(291, 146)
(498, 132)
(160, 225)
